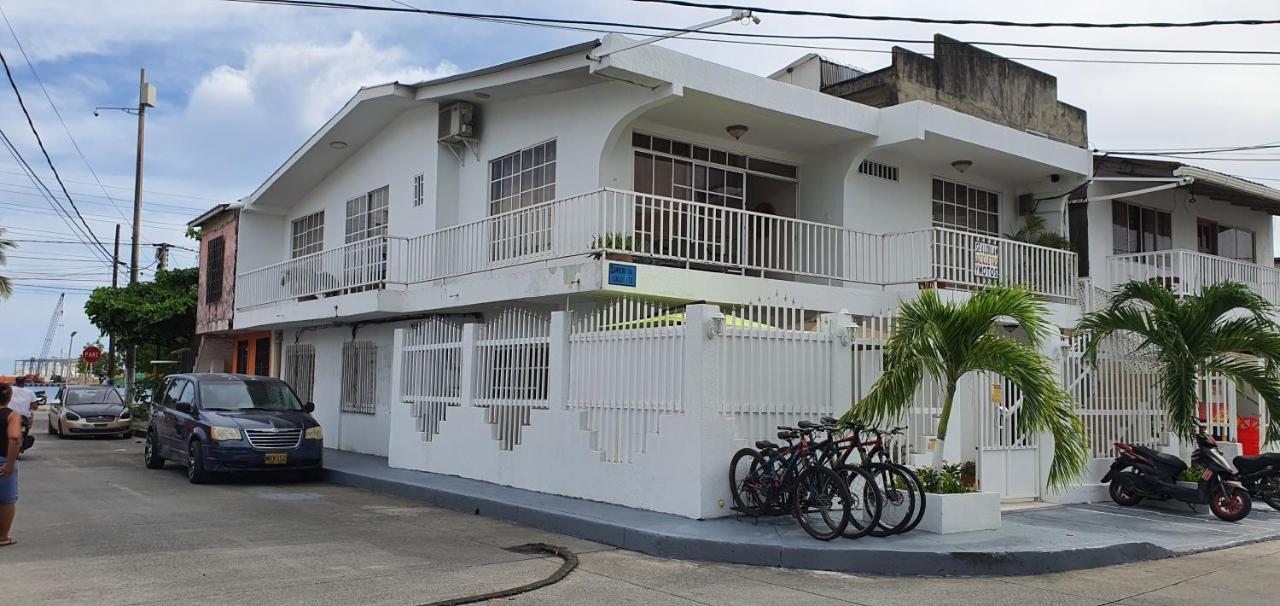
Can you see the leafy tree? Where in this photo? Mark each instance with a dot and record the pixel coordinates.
(1226, 329)
(158, 315)
(6, 287)
(101, 368)
(947, 340)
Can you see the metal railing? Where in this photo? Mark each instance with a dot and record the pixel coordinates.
(1186, 272)
(667, 231)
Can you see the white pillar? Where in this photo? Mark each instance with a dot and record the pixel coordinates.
(840, 326)
(466, 395)
(699, 384)
(396, 392)
(558, 361)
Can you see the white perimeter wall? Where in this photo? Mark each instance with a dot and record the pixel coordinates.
(353, 432)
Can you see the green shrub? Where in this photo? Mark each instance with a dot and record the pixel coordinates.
(948, 480)
(1191, 474)
(614, 241)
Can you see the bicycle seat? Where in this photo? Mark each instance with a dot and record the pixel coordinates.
(766, 445)
(830, 420)
(807, 425)
(788, 435)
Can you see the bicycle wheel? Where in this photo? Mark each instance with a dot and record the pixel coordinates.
(899, 507)
(821, 503)
(867, 503)
(919, 495)
(749, 482)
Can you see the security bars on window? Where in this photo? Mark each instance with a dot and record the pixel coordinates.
(300, 369)
(359, 377)
(523, 178)
(214, 269)
(965, 208)
(308, 235)
(879, 170)
(367, 215)
(417, 189)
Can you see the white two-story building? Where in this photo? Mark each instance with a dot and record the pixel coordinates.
(482, 241)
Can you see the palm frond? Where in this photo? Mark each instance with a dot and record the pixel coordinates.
(1262, 378)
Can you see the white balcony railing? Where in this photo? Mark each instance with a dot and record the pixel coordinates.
(667, 231)
(1186, 272)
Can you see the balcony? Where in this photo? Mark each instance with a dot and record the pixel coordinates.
(672, 232)
(1186, 272)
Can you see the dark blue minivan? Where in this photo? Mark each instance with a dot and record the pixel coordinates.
(218, 422)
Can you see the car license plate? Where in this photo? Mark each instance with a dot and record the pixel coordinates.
(277, 458)
(99, 424)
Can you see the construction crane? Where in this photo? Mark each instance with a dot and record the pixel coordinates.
(53, 328)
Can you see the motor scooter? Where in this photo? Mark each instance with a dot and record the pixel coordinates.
(1260, 475)
(1143, 473)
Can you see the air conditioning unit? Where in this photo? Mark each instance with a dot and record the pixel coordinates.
(457, 123)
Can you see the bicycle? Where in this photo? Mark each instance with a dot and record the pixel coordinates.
(903, 493)
(868, 498)
(777, 478)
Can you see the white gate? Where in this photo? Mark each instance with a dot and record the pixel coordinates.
(431, 377)
(1119, 399)
(1008, 460)
(512, 371)
(921, 418)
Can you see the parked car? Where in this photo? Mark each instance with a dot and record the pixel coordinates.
(82, 410)
(214, 422)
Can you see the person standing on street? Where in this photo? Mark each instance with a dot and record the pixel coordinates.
(11, 422)
(21, 403)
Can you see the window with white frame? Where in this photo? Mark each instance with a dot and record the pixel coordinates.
(367, 215)
(307, 235)
(359, 387)
(300, 369)
(1138, 229)
(966, 208)
(523, 178)
(418, 189)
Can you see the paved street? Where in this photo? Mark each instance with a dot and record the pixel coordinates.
(95, 527)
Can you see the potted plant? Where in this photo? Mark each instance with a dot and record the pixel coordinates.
(615, 246)
(954, 503)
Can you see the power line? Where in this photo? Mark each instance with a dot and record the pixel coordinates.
(57, 113)
(177, 210)
(146, 191)
(22, 104)
(697, 35)
(931, 20)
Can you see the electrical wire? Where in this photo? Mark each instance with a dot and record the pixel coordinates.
(153, 192)
(22, 104)
(706, 36)
(936, 21)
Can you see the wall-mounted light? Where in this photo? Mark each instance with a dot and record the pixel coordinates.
(961, 165)
(338, 144)
(736, 130)
(715, 325)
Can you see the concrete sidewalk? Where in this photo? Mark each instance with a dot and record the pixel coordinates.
(1032, 541)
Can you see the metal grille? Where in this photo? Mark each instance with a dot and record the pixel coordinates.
(300, 369)
(100, 419)
(432, 378)
(359, 377)
(879, 170)
(512, 371)
(214, 269)
(273, 439)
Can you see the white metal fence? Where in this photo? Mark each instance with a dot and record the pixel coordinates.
(431, 372)
(625, 371)
(1186, 272)
(512, 370)
(921, 418)
(670, 230)
(775, 368)
(1119, 400)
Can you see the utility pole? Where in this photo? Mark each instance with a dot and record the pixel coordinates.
(146, 98)
(115, 283)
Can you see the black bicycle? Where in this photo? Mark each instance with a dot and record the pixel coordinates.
(903, 492)
(776, 479)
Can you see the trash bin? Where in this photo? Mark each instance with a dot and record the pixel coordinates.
(1249, 434)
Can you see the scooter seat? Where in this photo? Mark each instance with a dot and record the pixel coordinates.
(1252, 463)
(1174, 464)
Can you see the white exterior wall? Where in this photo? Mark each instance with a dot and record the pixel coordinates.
(1184, 216)
(355, 432)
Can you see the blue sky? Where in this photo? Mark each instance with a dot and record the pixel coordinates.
(241, 86)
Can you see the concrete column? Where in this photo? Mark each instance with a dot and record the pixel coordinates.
(466, 394)
(558, 361)
(700, 381)
(840, 326)
(397, 369)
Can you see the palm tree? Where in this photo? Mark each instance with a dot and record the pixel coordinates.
(1225, 330)
(6, 287)
(948, 340)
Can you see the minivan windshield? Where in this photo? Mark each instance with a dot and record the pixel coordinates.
(247, 395)
(90, 394)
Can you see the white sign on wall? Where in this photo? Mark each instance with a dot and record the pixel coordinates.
(986, 260)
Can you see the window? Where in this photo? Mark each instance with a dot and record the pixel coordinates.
(1230, 242)
(367, 215)
(242, 357)
(697, 153)
(173, 394)
(879, 170)
(359, 377)
(262, 356)
(965, 208)
(188, 394)
(417, 189)
(1136, 229)
(308, 235)
(523, 178)
(214, 255)
(300, 369)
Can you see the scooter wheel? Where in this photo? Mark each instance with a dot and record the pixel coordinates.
(1124, 490)
(1233, 507)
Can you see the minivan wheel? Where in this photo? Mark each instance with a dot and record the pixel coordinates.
(196, 473)
(150, 455)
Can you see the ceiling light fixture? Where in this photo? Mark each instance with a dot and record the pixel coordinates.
(736, 130)
(962, 165)
(338, 144)
(480, 95)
